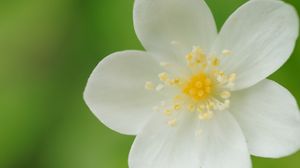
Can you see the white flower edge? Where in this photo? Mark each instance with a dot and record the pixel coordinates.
(218, 143)
(115, 91)
(261, 35)
(269, 117)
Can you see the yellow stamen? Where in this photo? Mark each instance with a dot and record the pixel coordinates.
(167, 112)
(199, 84)
(208, 82)
(177, 107)
(226, 52)
(215, 62)
(200, 58)
(225, 94)
(205, 91)
(199, 109)
(163, 76)
(177, 97)
(232, 77)
(206, 115)
(201, 93)
(208, 90)
(189, 57)
(191, 107)
(194, 87)
(172, 123)
(149, 85)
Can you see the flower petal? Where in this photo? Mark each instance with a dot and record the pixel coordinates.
(270, 119)
(218, 143)
(170, 28)
(261, 35)
(115, 90)
(226, 145)
(162, 146)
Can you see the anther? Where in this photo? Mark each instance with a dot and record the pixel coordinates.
(226, 52)
(192, 91)
(199, 84)
(215, 62)
(176, 81)
(189, 57)
(225, 94)
(177, 107)
(191, 107)
(172, 123)
(199, 109)
(163, 76)
(177, 97)
(149, 85)
(208, 82)
(232, 77)
(200, 93)
(167, 112)
(201, 58)
(206, 116)
(208, 89)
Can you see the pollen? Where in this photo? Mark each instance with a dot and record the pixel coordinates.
(168, 112)
(191, 107)
(225, 94)
(206, 115)
(232, 77)
(149, 85)
(199, 87)
(215, 62)
(203, 91)
(189, 57)
(226, 52)
(172, 123)
(177, 107)
(163, 76)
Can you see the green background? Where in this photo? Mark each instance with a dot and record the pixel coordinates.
(48, 48)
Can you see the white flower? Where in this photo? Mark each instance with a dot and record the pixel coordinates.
(197, 98)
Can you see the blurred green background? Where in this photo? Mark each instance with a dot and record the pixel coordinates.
(48, 48)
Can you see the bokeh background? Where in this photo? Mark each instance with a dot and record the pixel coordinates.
(48, 48)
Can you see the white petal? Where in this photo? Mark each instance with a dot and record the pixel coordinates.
(270, 119)
(217, 143)
(261, 35)
(115, 90)
(162, 146)
(170, 28)
(226, 146)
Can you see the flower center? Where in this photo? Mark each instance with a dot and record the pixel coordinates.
(199, 87)
(203, 91)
